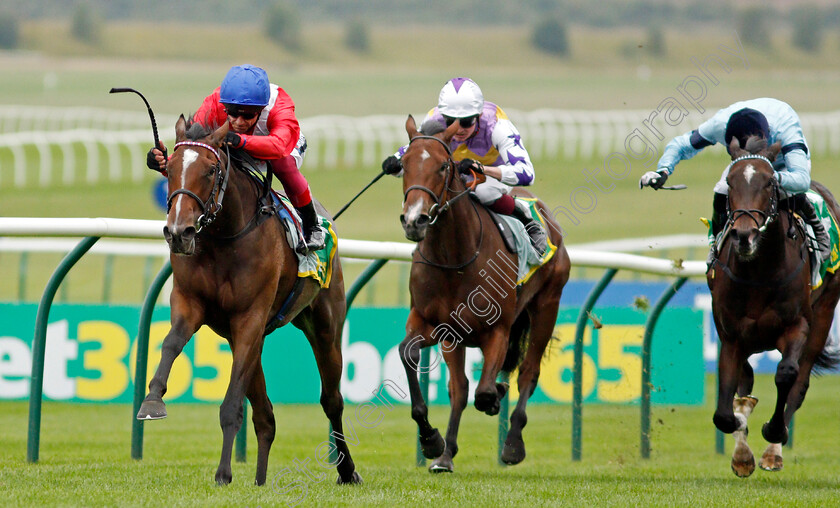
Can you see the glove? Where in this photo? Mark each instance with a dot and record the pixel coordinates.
(234, 140)
(653, 179)
(153, 163)
(392, 165)
(467, 165)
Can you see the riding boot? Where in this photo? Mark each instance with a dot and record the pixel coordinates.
(314, 237)
(532, 227)
(718, 220)
(806, 210)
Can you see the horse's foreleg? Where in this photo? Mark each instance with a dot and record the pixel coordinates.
(186, 319)
(791, 343)
(745, 387)
(263, 418)
(730, 362)
(488, 393)
(458, 394)
(246, 343)
(743, 461)
(431, 441)
(326, 344)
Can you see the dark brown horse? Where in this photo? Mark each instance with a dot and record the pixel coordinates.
(464, 294)
(234, 272)
(762, 300)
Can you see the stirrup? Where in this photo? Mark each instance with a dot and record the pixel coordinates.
(538, 237)
(314, 240)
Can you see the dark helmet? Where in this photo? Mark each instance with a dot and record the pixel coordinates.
(245, 85)
(745, 123)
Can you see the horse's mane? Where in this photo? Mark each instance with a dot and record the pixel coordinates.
(197, 130)
(755, 145)
(431, 127)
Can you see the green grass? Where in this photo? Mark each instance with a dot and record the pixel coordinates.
(84, 459)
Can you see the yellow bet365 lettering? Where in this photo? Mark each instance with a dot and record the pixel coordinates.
(108, 360)
(209, 352)
(557, 376)
(614, 343)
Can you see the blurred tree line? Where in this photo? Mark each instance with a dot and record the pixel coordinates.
(546, 20)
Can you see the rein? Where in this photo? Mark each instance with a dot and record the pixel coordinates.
(211, 207)
(442, 205)
(768, 216)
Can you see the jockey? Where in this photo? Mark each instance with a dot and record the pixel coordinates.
(769, 119)
(486, 142)
(262, 122)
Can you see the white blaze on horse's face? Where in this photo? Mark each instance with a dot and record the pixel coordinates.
(190, 156)
(425, 155)
(749, 172)
(413, 212)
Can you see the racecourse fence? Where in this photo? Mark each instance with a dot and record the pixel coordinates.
(72, 146)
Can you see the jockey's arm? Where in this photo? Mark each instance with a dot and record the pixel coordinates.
(283, 134)
(515, 168)
(796, 178)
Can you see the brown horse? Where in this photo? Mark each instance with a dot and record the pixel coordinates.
(235, 272)
(762, 300)
(463, 294)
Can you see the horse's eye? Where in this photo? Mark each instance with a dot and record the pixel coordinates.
(444, 166)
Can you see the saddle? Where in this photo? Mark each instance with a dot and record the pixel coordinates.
(501, 225)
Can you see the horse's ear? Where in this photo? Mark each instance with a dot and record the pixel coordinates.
(773, 151)
(450, 131)
(219, 134)
(735, 149)
(180, 129)
(411, 127)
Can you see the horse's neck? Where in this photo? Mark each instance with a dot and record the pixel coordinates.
(237, 206)
(454, 237)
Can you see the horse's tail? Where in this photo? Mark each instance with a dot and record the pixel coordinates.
(520, 333)
(827, 361)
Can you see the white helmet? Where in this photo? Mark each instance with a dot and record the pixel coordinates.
(460, 98)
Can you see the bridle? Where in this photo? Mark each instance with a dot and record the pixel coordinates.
(768, 216)
(213, 205)
(442, 204)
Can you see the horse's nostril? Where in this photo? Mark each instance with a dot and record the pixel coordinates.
(402, 220)
(423, 220)
(166, 234)
(188, 233)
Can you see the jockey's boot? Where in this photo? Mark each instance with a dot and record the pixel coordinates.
(805, 208)
(718, 220)
(314, 237)
(532, 227)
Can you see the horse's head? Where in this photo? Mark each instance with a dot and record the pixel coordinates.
(196, 183)
(428, 172)
(753, 193)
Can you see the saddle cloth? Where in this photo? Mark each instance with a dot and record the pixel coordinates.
(518, 241)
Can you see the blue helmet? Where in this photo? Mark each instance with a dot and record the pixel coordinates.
(245, 85)
(745, 123)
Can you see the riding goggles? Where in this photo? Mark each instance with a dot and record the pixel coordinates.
(465, 122)
(245, 114)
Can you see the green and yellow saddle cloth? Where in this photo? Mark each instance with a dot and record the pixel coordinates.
(528, 259)
(829, 222)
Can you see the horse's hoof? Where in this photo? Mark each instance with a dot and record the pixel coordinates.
(487, 403)
(513, 454)
(152, 410)
(743, 468)
(772, 436)
(771, 462)
(442, 465)
(433, 446)
(726, 424)
(355, 478)
(502, 389)
(223, 478)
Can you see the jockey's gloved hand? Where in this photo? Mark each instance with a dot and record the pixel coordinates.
(153, 163)
(391, 165)
(234, 140)
(467, 165)
(653, 179)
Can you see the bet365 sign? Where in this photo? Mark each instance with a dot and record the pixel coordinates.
(91, 351)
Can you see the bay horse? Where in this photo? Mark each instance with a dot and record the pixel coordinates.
(762, 300)
(234, 271)
(463, 294)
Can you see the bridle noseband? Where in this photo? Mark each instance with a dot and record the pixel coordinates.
(213, 205)
(768, 216)
(441, 205)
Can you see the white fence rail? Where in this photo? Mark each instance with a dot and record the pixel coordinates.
(48, 146)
